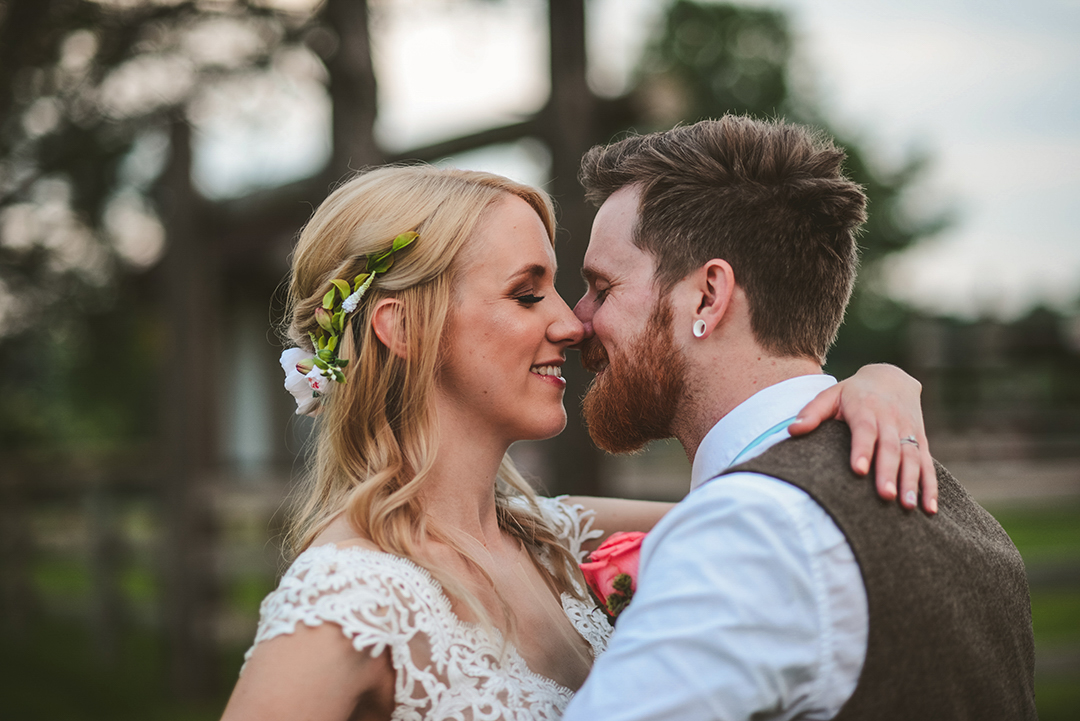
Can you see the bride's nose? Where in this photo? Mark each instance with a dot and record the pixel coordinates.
(565, 328)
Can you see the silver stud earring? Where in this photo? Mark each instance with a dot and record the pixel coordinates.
(699, 328)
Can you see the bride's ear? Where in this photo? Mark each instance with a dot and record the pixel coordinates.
(387, 320)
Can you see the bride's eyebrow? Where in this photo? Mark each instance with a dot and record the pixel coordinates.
(535, 271)
(532, 273)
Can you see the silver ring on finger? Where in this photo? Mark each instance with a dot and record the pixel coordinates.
(909, 439)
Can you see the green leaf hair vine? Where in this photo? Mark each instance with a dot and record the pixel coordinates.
(341, 300)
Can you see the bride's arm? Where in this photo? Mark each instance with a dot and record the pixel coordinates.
(881, 404)
(312, 673)
(615, 515)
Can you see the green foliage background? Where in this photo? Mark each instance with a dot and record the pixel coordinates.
(81, 344)
(725, 58)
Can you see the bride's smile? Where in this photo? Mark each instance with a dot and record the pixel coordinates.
(551, 372)
(506, 338)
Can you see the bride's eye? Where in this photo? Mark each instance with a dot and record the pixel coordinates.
(528, 299)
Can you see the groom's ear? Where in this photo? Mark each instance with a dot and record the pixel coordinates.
(387, 322)
(712, 285)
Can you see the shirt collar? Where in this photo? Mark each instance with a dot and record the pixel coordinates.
(748, 420)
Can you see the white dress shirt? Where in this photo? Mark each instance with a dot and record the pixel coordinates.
(749, 605)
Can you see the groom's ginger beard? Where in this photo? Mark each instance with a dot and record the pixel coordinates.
(634, 400)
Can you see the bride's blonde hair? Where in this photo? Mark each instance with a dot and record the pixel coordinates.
(376, 440)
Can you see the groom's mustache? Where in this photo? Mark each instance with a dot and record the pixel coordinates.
(594, 357)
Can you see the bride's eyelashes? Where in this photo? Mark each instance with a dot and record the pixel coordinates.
(528, 299)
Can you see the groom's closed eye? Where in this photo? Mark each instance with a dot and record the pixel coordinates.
(595, 284)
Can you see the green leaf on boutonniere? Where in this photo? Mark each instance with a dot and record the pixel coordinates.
(359, 281)
(331, 345)
(320, 364)
(342, 362)
(326, 355)
(328, 299)
(620, 598)
(342, 287)
(339, 321)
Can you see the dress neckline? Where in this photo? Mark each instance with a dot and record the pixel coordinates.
(445, 606)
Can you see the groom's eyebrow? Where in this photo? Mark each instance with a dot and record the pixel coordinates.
(591, 275)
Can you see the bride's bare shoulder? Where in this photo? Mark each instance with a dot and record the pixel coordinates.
(343, 534)
(312, 673)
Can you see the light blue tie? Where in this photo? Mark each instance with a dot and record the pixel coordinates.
(762, 438)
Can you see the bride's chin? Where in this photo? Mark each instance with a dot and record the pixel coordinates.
(553, 429)
(557, 431)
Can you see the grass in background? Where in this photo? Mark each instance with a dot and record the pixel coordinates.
(53, 669)
(1043, 533)
(1048, 538)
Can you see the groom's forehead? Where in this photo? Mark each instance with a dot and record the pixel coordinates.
(605, 261)
(616, 220)
(604, 265)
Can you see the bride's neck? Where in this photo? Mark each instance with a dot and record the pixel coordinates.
(459, 496)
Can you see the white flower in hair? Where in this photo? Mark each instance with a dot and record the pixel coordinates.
(350, 303)
(299, 385)
(318, 381)
(310, 376)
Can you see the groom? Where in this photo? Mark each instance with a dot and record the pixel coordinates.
(719, 267)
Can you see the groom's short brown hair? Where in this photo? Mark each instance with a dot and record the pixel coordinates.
(770, 198)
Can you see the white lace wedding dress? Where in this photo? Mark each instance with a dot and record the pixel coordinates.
(444, 668)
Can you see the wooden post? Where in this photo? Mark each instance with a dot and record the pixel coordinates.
(569, 130)
(106, 556)
(352, 88)
(191, 279)
(17, 598)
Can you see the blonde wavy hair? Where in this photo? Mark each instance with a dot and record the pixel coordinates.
(376, 439)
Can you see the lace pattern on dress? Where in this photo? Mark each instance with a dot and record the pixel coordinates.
(572, 523)
(444, 668)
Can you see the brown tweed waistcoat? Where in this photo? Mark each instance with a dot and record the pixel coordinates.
(950, 615)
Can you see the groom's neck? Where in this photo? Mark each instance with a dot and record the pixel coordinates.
(717, 383)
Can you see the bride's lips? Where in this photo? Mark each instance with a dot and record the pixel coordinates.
(549, 372)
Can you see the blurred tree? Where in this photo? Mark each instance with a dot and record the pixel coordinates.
(88, 93)
(97, 100)
(708, 59)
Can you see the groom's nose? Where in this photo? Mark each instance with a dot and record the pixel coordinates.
(583, 311)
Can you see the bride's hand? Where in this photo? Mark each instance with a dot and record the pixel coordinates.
(881, 405)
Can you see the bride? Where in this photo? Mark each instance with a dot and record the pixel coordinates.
(431, 582)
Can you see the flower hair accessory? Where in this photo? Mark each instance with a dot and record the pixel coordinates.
(308, 377)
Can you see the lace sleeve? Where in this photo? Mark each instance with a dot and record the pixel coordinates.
(375, 598)
(572, 523)
(444, 668)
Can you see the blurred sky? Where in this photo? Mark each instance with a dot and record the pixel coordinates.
(989, 89)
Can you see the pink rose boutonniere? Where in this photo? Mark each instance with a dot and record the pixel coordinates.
(611, 572)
